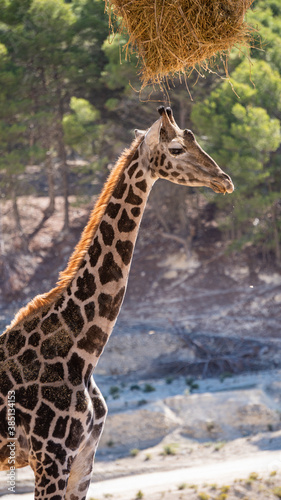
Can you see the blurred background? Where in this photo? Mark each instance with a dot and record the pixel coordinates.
(204, 293)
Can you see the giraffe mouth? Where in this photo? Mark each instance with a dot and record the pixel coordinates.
(222, 186)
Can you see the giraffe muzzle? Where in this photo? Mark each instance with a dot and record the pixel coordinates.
(224, 185)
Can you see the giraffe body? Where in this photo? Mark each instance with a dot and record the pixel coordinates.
(49, 352)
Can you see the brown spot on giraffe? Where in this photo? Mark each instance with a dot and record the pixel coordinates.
(93, 341)
(107, 232)
(109, 270)
(132, 198)
(132, 169)
(125, 224)
(86, 288)
(136, 211)
(125, 250)
(113, 209)
(90, 310)
(109, 306)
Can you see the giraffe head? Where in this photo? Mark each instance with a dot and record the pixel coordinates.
(176, 156)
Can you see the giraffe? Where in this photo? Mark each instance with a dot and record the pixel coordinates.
(51, 411)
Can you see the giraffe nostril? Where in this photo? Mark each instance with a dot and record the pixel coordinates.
(225, 176)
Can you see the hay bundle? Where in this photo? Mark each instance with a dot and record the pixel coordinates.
(172, 36)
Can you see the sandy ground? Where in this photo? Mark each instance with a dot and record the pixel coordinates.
(159, 482)
(172, 483)
(181, 466)
(234, 305)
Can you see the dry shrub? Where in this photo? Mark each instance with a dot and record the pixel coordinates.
(173, 36)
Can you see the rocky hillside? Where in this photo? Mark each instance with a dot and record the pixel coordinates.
(200, 311)
(191, 372)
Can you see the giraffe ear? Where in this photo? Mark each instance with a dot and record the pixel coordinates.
(139, 133)
(153, 134)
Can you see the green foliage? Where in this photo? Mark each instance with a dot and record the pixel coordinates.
(85, 112)
(118, 73)
(80, 126)
(169, 380)
(3, 54)
(222, 496)
(277, 491)
(142, 402)
(13, 11)
(112, 104)
(191, 384)
(219, 445)
(62, 87)
(45, 58)
(110, 443)
(225, 375)
(134, 452)
(90, 31)
(225, 488)
(148, 388)
(114, 391)
(182, 486)
(170, 449)
(242, 132)
(135, 387)
(203, 496)
(253, 476)
(74, 131)
(15, 149)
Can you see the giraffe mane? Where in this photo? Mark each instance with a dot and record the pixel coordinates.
(67, 275)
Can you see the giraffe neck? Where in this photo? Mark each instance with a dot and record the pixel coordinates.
(90, 305)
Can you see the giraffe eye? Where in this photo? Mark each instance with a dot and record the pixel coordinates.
(176, 151)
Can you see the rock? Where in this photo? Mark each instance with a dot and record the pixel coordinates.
(181, 262)
(274, 389)
(239, 491)
(139, 429)
(270, 279)
(132, 352)
(277, 298)
(225, 415)
(170, 275)
(237, 273)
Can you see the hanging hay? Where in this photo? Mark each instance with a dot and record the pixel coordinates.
(173, 36)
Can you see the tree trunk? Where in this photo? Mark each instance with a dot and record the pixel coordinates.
(2, 243)
(62, 153)
(182, 115)
(64, 175)
(16, 215)
(51, 184)
(276, 235)
(198, 218)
